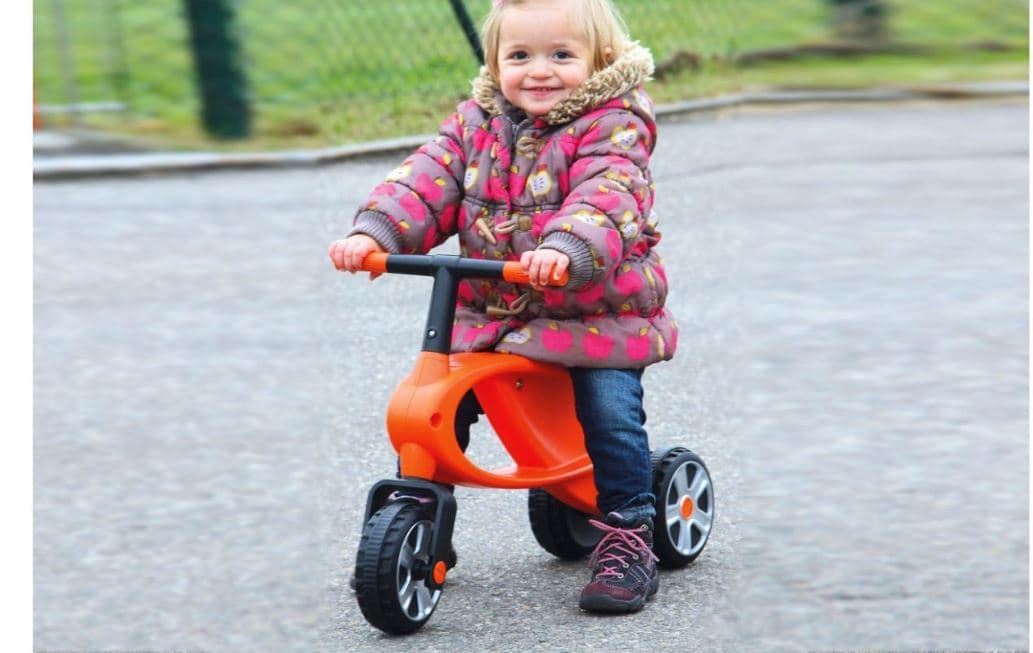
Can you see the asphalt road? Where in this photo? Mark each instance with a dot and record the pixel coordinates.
(852, 287)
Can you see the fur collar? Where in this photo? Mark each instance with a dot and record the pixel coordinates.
(626, 73)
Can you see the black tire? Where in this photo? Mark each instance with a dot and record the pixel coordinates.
(561, 530)
(681, 480)
(392, 592)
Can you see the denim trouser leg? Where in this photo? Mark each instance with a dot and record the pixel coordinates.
(609, 407)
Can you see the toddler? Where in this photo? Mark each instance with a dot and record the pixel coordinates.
(548, 164)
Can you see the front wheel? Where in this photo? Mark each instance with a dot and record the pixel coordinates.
(393, 566)
(684, 506)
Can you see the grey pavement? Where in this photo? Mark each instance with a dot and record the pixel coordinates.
(852, 288)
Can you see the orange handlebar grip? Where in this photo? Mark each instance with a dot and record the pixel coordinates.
(375, 262)
(513, 273)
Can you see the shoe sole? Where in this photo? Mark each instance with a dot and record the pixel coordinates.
(605, 603)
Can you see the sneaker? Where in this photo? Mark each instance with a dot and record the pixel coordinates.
(624, 573)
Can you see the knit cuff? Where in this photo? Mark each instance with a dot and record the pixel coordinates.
(379, 227)
(582, 266)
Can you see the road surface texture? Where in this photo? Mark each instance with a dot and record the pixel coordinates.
(852, 288)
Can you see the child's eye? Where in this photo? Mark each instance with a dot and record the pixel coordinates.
(519, 55)
(563, 54)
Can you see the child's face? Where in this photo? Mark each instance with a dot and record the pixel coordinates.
(542, 58)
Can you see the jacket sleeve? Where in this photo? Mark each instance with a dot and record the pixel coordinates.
(415, 207)
(610, 197)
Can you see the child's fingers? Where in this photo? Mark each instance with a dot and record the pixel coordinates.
(561, 266)
(533, 265)
(544, 269)
(525, 260)
(337, 254)
(356, 253)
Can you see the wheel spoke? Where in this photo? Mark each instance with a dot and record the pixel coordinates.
(685, 538)
(406, 557)
(681, 481)
(700, 484)
(422, 542)
(673, 514)
(406, 592)
(703, 520)
(423, 599)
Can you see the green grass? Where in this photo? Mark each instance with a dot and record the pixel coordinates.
(323, 73)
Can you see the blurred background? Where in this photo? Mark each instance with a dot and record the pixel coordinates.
(264, 74)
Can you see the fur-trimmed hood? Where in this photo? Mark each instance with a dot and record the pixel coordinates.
(631, 69)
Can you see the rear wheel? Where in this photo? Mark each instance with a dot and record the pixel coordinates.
(561, 530)
(684, 506)
(392, 568)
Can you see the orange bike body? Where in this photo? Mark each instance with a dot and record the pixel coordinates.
(529, 404)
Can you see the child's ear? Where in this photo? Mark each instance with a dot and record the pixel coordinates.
(608, 55)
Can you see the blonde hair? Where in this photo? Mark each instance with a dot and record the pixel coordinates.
(605, 31)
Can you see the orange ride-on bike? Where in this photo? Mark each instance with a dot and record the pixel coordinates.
(404, 553)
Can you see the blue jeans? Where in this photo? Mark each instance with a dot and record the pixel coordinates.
(609, 407)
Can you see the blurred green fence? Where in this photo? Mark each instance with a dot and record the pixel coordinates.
(323, 69)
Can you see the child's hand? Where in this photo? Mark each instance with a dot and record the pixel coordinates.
(543, 264)
(348, 253)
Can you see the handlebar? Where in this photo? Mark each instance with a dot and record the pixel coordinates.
(428, 264)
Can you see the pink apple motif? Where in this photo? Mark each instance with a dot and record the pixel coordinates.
(591, 294)
(430, 189)
(556, 339)
(597, 345)
(414, 206)
(563, 179)
(430, 239)
(613, 243)
(580, 167)
(385, 189)
(484, 332)
(482, 139)
(553, 298)
(606, 199)
(453, 149)
(517, 183)
(465, 292)
(540, 220)
(627, 281)
(447, 218)
(567, 143)
(496, 190)
(637, 346)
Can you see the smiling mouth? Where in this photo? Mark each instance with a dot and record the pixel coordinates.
(541, 89)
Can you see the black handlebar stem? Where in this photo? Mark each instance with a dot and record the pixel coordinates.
(447, 271)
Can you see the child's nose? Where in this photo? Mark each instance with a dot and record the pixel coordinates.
(540, 68)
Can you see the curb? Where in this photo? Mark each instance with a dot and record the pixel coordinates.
(118, 165)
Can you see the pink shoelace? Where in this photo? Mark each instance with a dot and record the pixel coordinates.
(616, 546)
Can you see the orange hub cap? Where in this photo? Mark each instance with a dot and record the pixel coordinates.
(686, 508)
(439, 573)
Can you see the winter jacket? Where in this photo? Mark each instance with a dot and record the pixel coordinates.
(576, 180)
